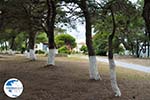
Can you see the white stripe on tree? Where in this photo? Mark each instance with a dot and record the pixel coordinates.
(51, 56)
(93, 69)
(113, 78)
(32, 54)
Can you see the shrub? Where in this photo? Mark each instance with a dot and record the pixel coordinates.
(63, 50)
(84, 49)
(40, 52)
(65, 40)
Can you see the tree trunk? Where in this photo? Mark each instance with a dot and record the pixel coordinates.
(2, 44)
(148, 47)
(32, 36)
(1, 18)
(137, 49)
(146, 16)
(93, 69)
(5, 45)
(111, 60)
(132, 49)
(51, 15)
(26, 43)
(12, 46)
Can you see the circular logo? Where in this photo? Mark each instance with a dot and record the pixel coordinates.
(13, 88)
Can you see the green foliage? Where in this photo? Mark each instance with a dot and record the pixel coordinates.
(39, 52)
(20, 41)
(100, 43)
(2, 47)
(121, 50)
(65, 43)
(41, 37)
(64, 50)
(84, 49)
(65, 40)
(129, 27)
(26, 15)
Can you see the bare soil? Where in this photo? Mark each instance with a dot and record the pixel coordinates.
(69, 80)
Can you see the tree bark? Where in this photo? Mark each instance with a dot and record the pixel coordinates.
(1, 46)
(137, 49)
(32, 36)
(51, 16)
(93, 69)
(12, 46)
(148, 47)
(111, 60)
(146, 16)
(1, 19)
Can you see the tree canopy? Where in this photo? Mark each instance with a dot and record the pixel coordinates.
(32, 16)
(65, 40)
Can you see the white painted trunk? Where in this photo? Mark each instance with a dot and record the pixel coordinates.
(93, 69)
(32, 54)
(113, 78)
(26, 54)
(51, 56)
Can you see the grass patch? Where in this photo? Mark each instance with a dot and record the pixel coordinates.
(122, 73)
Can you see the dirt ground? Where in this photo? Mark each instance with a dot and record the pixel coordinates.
(69, 80)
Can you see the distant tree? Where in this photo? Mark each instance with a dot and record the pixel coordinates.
(65, 40)
(11, 36)
(84, 49)
(64, 50)
(21, 42)
(100, 43)
(41, 37)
